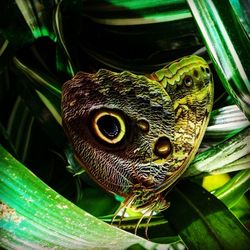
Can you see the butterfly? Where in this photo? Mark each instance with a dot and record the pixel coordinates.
(136, 134)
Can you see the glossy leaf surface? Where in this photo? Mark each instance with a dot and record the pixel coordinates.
(139, 36)
(221, 157)
(228, 45)
(204, 222)
(234, 189)
(40, 217)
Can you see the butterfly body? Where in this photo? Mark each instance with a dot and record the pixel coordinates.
(135, 135)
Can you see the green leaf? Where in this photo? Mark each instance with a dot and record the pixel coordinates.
(57, 23)
(39, 81)
(242, 211)
(137, 48)
(233, 190)
(42, 95)
(159, 230)
(204, 222)
(226, 122)
(136, 12)
(97, 202)
(242, 8)
(228, 46)
(41, 110)
(37, 17)
(34, 216)
(19, 128)
(221, 157)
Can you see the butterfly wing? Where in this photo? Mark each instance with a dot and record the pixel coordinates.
(189, 83)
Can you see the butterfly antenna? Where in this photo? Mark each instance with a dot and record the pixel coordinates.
(116, 214)
(142, 217)
(124, 208)
(148, 221)
(122, 216)
(139, 222)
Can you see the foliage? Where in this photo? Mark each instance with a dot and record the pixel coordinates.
(42, 44)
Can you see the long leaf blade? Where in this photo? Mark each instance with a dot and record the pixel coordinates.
(228, 45)
(34, 216)
(203, 222)
(233, 190)
(217, 159)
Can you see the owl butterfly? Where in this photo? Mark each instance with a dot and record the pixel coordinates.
(135, 135)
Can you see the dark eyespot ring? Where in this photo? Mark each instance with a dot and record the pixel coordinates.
(163, 147)
(207, 70)
(196, 73)
(143, 125)
(109, 126)
(188, 81)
